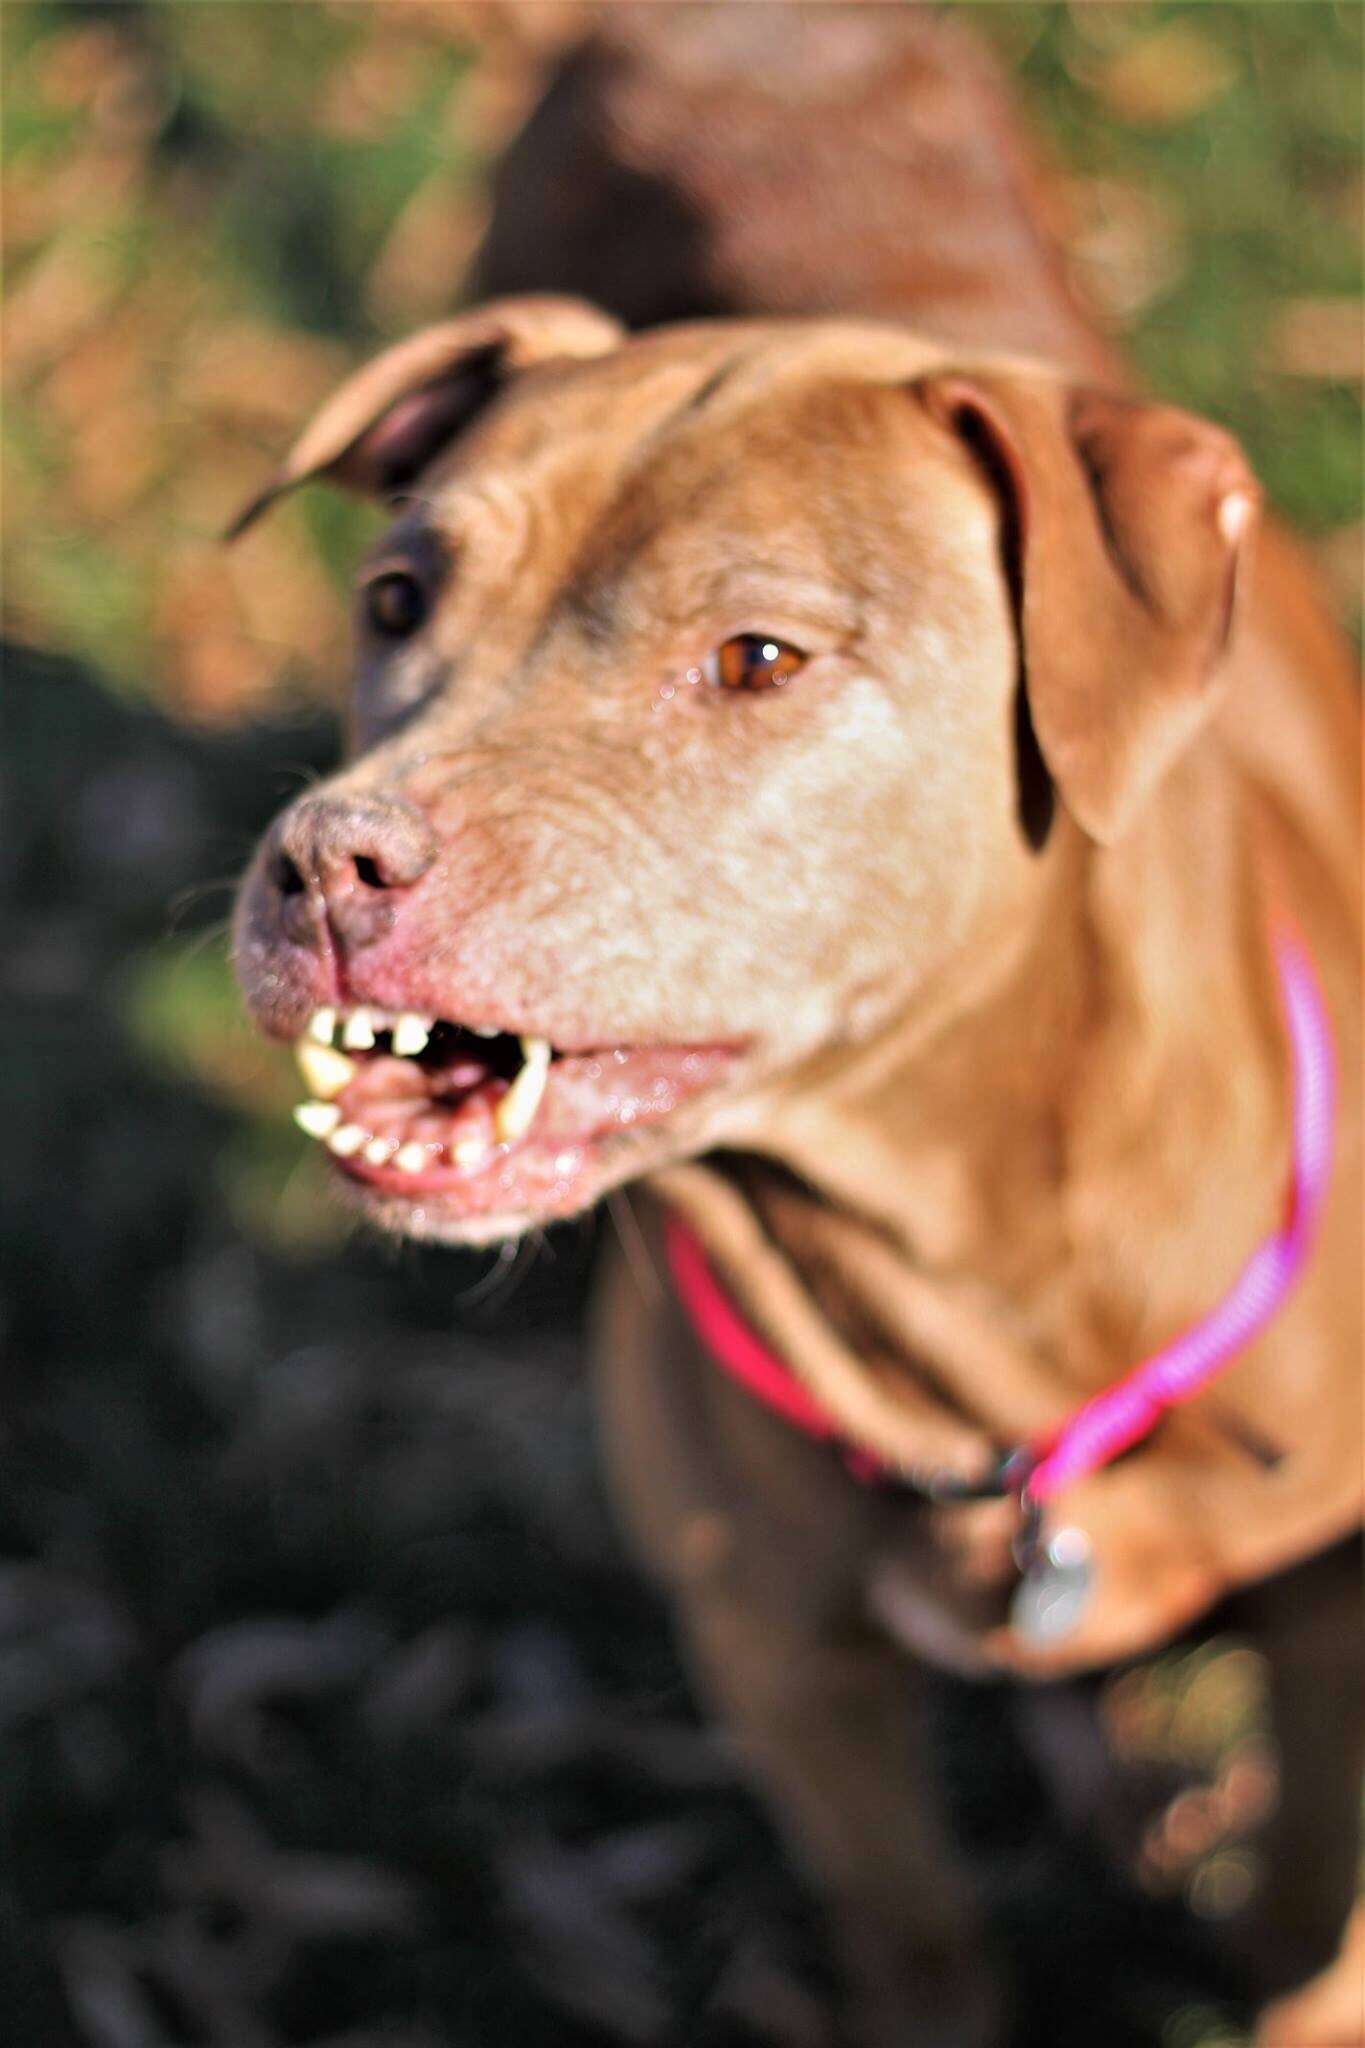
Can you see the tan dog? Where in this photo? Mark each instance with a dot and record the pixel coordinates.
(865, 762)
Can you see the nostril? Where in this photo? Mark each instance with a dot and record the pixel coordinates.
(285, 876)
(339, 861)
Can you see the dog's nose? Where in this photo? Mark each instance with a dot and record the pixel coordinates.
(346, 860)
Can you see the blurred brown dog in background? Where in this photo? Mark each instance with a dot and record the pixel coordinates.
(831, 760)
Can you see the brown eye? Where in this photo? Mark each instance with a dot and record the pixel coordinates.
(395, 605)
(756, 661)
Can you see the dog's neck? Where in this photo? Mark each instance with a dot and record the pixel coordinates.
(1076, 1147)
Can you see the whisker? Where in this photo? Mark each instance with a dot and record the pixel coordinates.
(301, 774)
(212, 934)
(499, 1274)
(644, 1271)
(193, 894)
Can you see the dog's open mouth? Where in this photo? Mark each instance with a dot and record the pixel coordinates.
(488, 1121)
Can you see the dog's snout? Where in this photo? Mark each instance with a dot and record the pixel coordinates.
(345, 860)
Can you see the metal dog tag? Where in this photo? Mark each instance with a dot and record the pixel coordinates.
(1055, 1589)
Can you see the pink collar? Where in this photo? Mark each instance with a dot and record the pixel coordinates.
(1124, 1413)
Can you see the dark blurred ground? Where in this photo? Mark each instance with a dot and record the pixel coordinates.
(330, 1709)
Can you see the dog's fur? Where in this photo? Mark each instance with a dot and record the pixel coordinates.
(983, 896)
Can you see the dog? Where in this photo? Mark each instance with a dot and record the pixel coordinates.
(829, 753)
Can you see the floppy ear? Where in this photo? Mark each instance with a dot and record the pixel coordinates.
(1128, 527)
(386, 422)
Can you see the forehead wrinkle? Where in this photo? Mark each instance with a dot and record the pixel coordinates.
(565, 483)
(692, 403)
(606, 504)
(738, 583)
(542, 467)
(658, 517)
(595, 400)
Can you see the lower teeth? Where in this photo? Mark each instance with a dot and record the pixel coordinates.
(319, 1120)
(329, 1070)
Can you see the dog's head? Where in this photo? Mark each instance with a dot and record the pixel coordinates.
(715, 692)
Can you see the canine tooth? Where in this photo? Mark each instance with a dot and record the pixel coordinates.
(410, 1034)
(513, 1116)
(324, 1069)
(410, 1158)
(358, 1031)
(380, 1151)
(322, 1026)
(319, 1119)
(347, 1140)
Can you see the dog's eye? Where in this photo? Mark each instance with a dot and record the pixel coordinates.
(755, 661)
(395, 604)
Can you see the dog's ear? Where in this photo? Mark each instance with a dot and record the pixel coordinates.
(1127, 527)
(385, 424)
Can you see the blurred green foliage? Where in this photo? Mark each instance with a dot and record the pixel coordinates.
(214, 207)
(1235, 132)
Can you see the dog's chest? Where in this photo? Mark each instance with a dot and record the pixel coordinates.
(944, 1579)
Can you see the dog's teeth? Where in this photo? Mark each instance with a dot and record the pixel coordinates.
(357, 1033)
(324, 1069)
(319, 1119)
(347, 1140)
(484, 1030)
(516, 1109)
(470, 1152)
(322, 1026)
(410, 1034)
(380, 1151)
(410, 1158)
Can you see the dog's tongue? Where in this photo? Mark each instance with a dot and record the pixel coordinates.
(452, 1109)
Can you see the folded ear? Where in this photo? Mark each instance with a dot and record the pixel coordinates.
(1127, 527)
(385, 424)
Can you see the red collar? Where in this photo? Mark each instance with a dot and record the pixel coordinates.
(1130, 1409)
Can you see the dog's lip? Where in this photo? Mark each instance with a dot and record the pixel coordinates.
(488, 1123)
(591, 1110)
